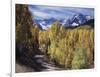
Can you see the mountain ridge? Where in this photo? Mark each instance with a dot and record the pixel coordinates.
(75, 20)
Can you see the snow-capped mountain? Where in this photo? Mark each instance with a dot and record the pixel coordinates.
(45, 23)
(79, 18)
(75, 20)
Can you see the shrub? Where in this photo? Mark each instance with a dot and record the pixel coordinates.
(80, 59)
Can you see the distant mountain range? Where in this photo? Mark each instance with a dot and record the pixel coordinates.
(76, 20)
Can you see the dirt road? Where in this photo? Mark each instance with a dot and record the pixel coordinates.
(40, 63)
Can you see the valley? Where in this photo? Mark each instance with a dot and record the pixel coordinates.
(46, 43)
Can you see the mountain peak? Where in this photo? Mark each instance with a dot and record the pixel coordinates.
(76, 20)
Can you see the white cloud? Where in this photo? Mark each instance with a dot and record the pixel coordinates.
(57, 12)
(40, 14)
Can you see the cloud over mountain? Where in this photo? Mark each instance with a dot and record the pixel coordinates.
(45, 12)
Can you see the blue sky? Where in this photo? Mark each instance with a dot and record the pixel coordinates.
(46, 12)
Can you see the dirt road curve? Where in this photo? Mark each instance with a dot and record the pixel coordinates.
(22, 68)
(40, 63)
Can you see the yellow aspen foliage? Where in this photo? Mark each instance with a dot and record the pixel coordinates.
(68, 42)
